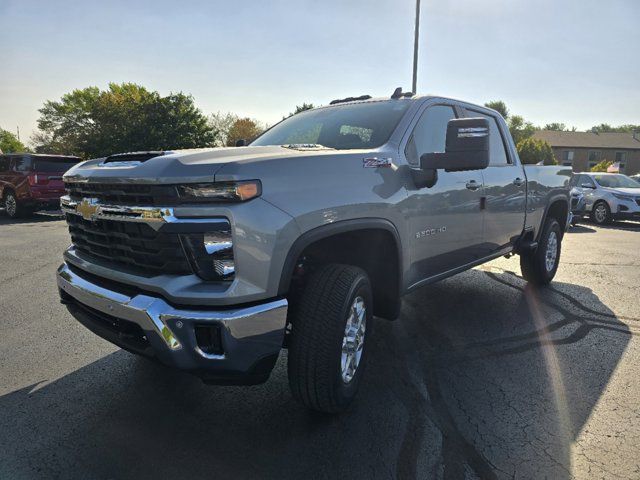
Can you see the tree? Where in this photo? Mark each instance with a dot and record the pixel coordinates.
(221, 123)
(9, 143)
(126, 117)
(606, 128)
(520, 129)
(602, 166)
(555, 126)
(300, 108)
(243, 129)
(532, 151)
(499, 106)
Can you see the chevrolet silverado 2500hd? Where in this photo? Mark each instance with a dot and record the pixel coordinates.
(213, 260)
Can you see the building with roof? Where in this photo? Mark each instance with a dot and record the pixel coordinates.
(582, 150)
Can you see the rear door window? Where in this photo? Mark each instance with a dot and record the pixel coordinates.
(21, 164)
(497, 151)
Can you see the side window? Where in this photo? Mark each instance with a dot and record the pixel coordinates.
(496, 142)
(21, 164)
(4, 163)
(430, 133)
(587, 179)
(576, 180)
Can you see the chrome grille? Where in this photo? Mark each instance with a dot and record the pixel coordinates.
(131, 244)
(124, 194)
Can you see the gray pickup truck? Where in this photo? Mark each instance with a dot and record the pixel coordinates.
(214, 260)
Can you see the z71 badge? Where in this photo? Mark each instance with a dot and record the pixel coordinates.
(375, 162)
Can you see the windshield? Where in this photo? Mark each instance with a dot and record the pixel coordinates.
(616, 181)
(52, 165)
(343, 127)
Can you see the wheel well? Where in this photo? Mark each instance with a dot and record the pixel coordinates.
(375, 250)
(559, 210)
(6, 190)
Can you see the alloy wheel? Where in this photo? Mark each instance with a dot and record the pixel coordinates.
(353, 340)
(10, 205)
(551, 254)
(600, 213)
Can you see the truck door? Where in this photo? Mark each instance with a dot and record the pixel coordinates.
(505, 190)
(445, 219)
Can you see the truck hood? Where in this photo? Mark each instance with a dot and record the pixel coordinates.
(183, 166)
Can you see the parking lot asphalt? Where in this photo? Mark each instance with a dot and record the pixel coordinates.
(481, 377)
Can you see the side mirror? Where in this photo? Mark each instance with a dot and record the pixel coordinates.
(587, 185)
(241, 143)
(467, 147)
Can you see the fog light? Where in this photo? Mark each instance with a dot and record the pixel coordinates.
(224, 267)
(211, 254)
(217, 242)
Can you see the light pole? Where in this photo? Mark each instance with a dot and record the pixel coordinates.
(415, 48)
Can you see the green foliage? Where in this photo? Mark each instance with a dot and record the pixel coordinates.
(606, 128)
(555, 126)
(520, 129)
(9, 143)
(602, 166)
(300, 108)
(499, 106)
(532, 151)
(126, 117)
(243, 129)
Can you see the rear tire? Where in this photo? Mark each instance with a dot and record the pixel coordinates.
(540, 265)
(601, 213)
(329, 339)
(11, 206)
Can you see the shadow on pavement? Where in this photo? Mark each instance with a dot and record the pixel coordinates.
(580, 228)
(479, 375)
(34, 218)
(616, 225)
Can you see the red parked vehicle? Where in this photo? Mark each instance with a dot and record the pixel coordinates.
(30, 182)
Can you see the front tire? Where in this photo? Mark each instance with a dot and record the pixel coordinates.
(540, 265)
(601, 213)
(329, 339)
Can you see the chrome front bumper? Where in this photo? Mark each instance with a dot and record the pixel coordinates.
(251, 337)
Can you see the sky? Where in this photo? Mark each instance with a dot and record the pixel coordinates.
(570, 61)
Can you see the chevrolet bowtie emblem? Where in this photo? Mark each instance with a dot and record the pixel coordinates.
(87, 207)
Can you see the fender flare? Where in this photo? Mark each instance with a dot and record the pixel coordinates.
(328, 230)
(555, 198)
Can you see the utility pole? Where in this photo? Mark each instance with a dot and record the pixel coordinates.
(415, 48)
(18, 130)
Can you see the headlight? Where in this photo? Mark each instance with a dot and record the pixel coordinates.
(626, 198)
(222, 191)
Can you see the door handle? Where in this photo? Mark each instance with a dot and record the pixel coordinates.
(518, 182)
(472, 185)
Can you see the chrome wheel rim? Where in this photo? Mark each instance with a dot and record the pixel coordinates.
(10, 205)
(601, 213)
(552, 251)
(353, 339)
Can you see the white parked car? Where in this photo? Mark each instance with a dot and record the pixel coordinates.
(609, 196)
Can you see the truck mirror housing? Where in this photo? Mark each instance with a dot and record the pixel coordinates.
(467, 147)
(241, 142)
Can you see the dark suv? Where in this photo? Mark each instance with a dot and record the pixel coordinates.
(32, 181)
